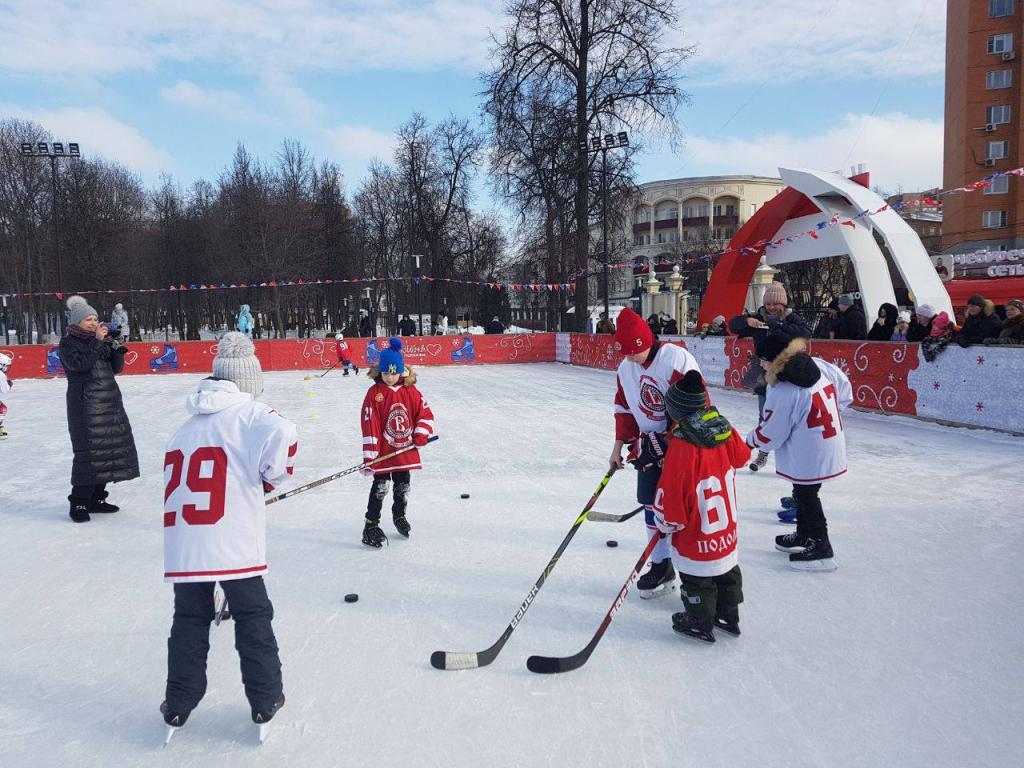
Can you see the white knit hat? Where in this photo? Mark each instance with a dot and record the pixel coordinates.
(904, 316)
(236, 361)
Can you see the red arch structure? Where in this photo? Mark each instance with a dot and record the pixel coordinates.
(730, 279)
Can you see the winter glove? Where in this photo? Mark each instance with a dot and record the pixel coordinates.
(420, 439)
(366, 470)
(267, 487)
(651, 447)
(665, 527)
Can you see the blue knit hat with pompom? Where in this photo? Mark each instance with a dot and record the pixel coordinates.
(391, 357)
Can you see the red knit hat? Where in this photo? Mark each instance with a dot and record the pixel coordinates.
(632, 334)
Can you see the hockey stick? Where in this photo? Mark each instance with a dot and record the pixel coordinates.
(328, 370)
(547, 665)
(336, 475)
(605, 517)
(454, 660)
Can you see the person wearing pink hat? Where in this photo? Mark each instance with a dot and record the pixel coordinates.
(649, 367)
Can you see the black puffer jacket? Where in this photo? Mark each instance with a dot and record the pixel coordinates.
(918, 332)
(850, 324)
(100, 433)
(984, 325)
(883, 331)
(1012, 333)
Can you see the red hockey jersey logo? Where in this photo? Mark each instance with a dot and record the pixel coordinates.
(398, 426)
(652, 403)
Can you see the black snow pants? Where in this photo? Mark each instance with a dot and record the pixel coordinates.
(379, 490)
(705, 596)
(189, 643)
(810, 517)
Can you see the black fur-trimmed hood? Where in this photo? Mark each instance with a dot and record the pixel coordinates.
(794, 365)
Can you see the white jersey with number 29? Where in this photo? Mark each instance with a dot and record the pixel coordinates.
(804, 426)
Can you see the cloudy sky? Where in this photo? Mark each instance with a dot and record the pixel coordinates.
(172, 87)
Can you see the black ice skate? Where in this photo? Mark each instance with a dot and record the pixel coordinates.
(728, 620)
(173, 720)
(262, 719)
(701, 629)
(791, 542)
(759, 462)
(373, 536)
(659, 580)
(817, 556)
(402, 525)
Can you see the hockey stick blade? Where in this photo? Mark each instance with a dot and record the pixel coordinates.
(451, 661)
(549, 665)
(606, 517)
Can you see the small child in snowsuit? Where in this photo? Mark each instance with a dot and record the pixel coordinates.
(395, 416)
(695, 504)
(5, 386)
(344, 355)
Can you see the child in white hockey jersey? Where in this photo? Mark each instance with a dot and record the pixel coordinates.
(803, 423)
(217, 467)
(5, 386)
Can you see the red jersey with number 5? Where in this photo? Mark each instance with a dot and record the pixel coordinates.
(217, 467)
(802, 420)
(697, 495)
(391, 417)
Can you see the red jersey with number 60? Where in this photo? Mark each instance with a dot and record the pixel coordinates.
(697, 493)
(217, 467)
(804, 426)
(391, 416)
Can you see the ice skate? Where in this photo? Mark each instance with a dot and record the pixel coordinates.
(787, 516)
(173, 721)
(373, 536)
(791, 542)
(817, 556)
(3, 432)
(262, 719)
(759, 462)
(402, 525)
(728, 620)
(659, 580)
(700, 629)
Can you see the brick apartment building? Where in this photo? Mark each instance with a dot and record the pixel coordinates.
(983, 125)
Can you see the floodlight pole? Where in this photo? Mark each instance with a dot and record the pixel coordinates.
(419, 306)
(619, 141)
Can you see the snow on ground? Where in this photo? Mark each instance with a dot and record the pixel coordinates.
(909, 655)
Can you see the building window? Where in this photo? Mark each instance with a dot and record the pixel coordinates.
(998, 115)
(1000, 43)
(643, 215)
(725, 210)
(997, 150)
(661, 237)
(998, 78)
(667, 214)
(695, 212)
(998, 8)
(993, 219)
(1000, 186)
(753, 208)
(673, 237)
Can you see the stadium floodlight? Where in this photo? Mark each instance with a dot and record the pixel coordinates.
(58, 148)
(43, 147)
(73, 149)
(26, 148)
(623, 139)
(609, 140)
(595, 142)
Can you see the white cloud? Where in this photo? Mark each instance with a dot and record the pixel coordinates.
(227, 104)
(104, 37)
(100, 134)
(359, 144)
(793, 40)
(897, 150)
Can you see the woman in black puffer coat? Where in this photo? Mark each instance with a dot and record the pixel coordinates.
(100, 433)
(884, 326)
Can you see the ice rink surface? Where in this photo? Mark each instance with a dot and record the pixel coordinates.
(911, 654)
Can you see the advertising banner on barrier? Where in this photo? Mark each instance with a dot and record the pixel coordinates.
(303, 354)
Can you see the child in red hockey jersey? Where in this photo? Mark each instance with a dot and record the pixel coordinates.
(5, 386)
(344, 354)
(394, 416)
(695, 504)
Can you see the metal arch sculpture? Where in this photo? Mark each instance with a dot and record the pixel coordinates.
(808, 197)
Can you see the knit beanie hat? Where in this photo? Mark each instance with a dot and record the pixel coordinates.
(926, 311)
(686, 396)
(1017, 303)
(632, 334)
(339, 336)
(236, 361)
(772, 345)
(391, 357)
(939, 324)
(719, 320)
(904, 317)
(846, 300)
(977, 300)
(79, 309)
(775, 294)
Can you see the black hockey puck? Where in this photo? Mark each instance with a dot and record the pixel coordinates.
(612, 543)
(351, 598)
(464, 496)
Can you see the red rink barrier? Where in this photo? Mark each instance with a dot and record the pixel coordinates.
(303, 354)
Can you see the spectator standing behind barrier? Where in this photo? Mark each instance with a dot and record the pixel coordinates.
(1013, 325)
(119, 320)
(669, 327)
(654, 323)
(244, 324)
(494, 327)
(406, 327)
(884, 326)
(943, 332)
(366, 328)
(902, 327)
(981, 322)
(921, 328)
(715, 328)
(828, 322)
(604, 325)
(850, 323)
(101, 434)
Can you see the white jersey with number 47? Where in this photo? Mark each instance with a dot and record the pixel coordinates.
(804, 426)
(217, 467)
